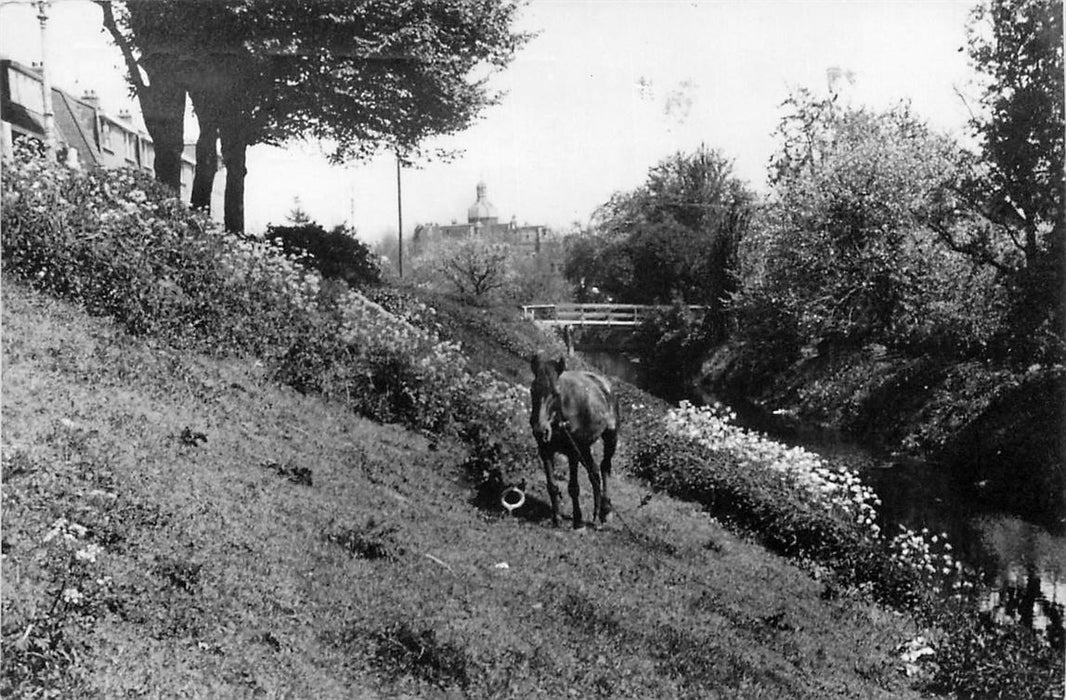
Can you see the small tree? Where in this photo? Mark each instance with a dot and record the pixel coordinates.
(476, 269)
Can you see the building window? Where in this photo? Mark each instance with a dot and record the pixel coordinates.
(105, 136)
(131, 147)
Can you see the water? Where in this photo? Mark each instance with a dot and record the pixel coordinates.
(1023, 564)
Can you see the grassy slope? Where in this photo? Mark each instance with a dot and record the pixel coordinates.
(224, 581)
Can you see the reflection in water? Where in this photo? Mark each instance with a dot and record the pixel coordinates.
(617, 364)
(1023, 565)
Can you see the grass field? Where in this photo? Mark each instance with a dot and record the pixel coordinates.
(179, 526)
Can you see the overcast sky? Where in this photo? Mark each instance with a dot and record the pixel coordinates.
(607, 89)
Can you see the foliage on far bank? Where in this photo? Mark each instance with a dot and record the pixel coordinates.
(901, 288)
(674, 237)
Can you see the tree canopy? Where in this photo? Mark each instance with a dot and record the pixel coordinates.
(845, 249)
(362, 75)
(1017, 182)
(675, 236)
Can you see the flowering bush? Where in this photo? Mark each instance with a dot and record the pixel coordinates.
(119, 244)
(39, 657)
(839, 490)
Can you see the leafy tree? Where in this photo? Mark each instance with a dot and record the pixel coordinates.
(335, 254)
(364, 76)
(675, 236)
(1017, 182)
(845, 250)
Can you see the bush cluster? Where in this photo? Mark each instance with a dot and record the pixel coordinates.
(120, 245)
(335, 254)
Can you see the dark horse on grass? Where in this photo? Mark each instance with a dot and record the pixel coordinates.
(571, 411)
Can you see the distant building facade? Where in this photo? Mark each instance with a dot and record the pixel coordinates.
(482, 221)
(86, 136)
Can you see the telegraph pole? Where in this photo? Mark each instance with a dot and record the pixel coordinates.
(399, 212)
(46, 85)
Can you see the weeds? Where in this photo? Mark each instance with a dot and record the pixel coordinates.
(371, 541)
(291, 471)
(39, 648)
(403, 650)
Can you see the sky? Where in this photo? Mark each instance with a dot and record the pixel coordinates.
(606, 90)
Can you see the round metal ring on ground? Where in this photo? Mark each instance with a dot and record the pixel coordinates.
(512, 498)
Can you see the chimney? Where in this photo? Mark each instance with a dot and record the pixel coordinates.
(91, 98)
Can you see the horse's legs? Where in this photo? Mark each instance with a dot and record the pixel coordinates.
(610, 442)
(553, 491)
(575, 492)
(594, 479)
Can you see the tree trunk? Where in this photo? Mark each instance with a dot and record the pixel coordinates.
(163, 106)
(234, 148)
(203, 183)
(162, 100)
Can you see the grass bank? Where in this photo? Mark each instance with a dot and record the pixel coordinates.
(214, 533)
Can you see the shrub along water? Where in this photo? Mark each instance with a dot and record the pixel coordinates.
(826, 518)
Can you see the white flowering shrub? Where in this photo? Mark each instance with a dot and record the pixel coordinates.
(838, 490)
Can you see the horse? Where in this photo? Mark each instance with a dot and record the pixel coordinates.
(572, 410)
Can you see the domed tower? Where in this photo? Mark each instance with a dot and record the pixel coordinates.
(481, 212)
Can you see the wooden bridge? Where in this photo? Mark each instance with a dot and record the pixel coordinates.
(616, 315)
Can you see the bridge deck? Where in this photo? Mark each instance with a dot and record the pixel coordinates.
(592, 314)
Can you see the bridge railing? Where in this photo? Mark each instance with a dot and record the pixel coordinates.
(592, 314)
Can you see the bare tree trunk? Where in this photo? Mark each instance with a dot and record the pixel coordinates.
(163, 106)
(206, 153)
(162, 102)
(234, 148)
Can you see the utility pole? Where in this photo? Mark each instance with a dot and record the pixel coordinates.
(399, 212)
(46, 85)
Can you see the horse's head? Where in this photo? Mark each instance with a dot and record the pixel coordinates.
(545, 395)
